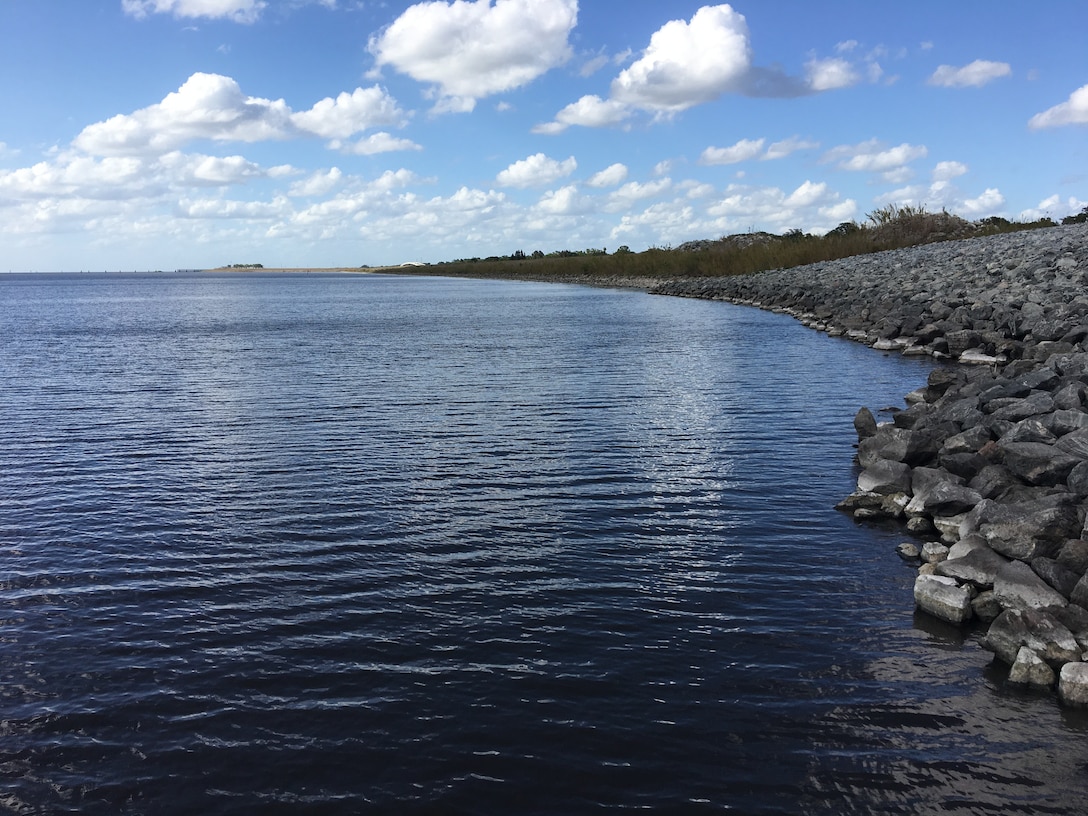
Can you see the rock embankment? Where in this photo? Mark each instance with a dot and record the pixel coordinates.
(988, 464)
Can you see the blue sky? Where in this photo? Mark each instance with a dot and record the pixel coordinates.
(158, 134)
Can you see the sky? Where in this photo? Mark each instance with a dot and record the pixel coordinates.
(166, 134)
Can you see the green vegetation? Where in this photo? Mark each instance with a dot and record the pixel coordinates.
(1079, 218)
(891, 227)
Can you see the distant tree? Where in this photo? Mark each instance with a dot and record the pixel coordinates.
(623, 250)
(845, 228)
(537, 253)
(1079, 218)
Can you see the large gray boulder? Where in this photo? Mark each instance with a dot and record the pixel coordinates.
(1037, 463)
(1074, 443)
(1055, 575)
(1079, 595)
(885, 477)
(1026, 530)
(1075, 619)
(943, 598)
(899, 445)
(978, 567)
(1073, 685)
(1031, 670)
(1074, 555)
(1016, 586)
(1038, 630)
(864, 424)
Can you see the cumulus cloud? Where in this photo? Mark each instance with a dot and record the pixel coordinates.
(240, 11)
(975, 74)
(375, 143)
(688, 62)
(830, 74)
(213, 107)
(318, 184)
(564, 201)
(633, 191)
(216, 208)
(811, 205)
(691, 62)
(990, 202)
(609, 177)
(871, 157)
(1074, 111)
(1054, 207)
(948, 170)
(807, 194)
(536, 170)
(469, 50)
(339, 118)
(783, 148)
(744, 150)
(128, 177)
(589, 111)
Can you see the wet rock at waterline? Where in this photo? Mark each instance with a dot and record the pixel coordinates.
(990, 457)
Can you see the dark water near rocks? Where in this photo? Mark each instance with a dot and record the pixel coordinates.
(368, 544)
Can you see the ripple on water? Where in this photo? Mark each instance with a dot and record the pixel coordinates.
(345, 544)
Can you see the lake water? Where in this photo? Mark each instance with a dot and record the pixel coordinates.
(371, 544)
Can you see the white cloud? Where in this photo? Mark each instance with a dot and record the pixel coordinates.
(609, 177)
(990, 202)
(536, 170)
(665, 222)
(783, 148)
(806, 195)
(211, 106)
(77, 176)
(843, 211)
(869, 157)
(975, 74)
(589, 111)
(469, 50)
(241, 11)
(1054, 207)
(744, 150)
(392, 179)
(564, 201)
(206, 106)
(380, 142)
(948, 170)
(812, 206)
(1074, 111)
(318, 184)
(897, 175)
(217, 171)
(633, 191)
(360, 110)
(688, 63)
(830, 74)
(697, 189)
(216, 208)
(846, 46)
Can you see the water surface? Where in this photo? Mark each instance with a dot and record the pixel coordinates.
(366, 544)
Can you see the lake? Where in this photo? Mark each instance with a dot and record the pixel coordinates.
(378, 544)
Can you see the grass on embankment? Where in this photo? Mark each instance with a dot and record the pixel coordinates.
(892, 227)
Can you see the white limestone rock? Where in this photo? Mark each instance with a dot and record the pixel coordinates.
(943, 598)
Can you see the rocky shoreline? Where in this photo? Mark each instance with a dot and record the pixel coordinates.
(988, 465)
